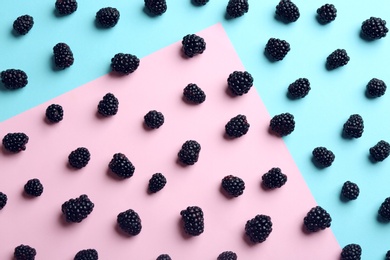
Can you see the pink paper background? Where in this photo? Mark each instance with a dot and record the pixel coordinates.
(157, 84)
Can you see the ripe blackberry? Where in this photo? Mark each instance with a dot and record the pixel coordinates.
(240, 82)
(323, 156)
(317, 219)
(54, 113)
(121, 166)
(156, 7)
(387, 257)
(274, 178)
(65, 7)
(374, 28)
(124, 63)
(193, 220)
(24, 252)
(87, 254)
(15, 142)
(157, 182)
(108, 106)
(277, 49)
(376, 87)
(200, 2)
(227, 255)
(129, 222)
(336, 59)
(282, 124)
(287, 11)
(237, 126)
(23, 24)
(351, 252)
(79, 158)
(3, 200)
(164, 257)
(233, 185)
(258, 228)
(14, 79)
(299, 88)
(33, 187)
(327, 13)
(107, 17)
(63, 55)
(154, 119)
(194, 94)
(350, 190)
(189, 152)
(354, 126)
(237, 8)
(76, 210)
(380, 151)
(384, 209)
(192, 45)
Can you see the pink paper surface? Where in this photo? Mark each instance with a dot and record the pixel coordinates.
(157, 84)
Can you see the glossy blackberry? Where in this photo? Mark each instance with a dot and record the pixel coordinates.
(194, 94)
(121, 166)
(327, 13)
(87, 254)
(387, 257)
(33, 187)
(282, 124)
(274, 178)
(14, 79)
(374, 28)
(323, 157)
(380, 151)
(287, 11)
(164, 257)
(79, 158)
(77, 209)
(154, 119)
(237, 8)
(192, 45)
(3, 200)
(129, 222)
(351, 252)
(350, 190)
(107, 17)
(54, 113)
(354, 126)
(258, 228)
(124, 63)
(156, 7)
(237, 126)
(65, 7)
(277, 49)
(317, 219)
(24, 252)
(240, 82)
(15, 142)
(336, 59)
(63, 55)
(227, 255)
(189, 152)
(384, 209)
(108, 106)
(299, 88)
(157, 182)
(233, 185)
(200, 2)
(376, 88)
(23, 24)
(193, 220)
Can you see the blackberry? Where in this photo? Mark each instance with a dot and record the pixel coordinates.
(24, 252)
(274, 178)
(121, 166)
(240, 82)
(380, 151)
(124, 63)
(87, 254)
(76, 210)
(154, 119)
(15, 142)
(164, 257)
(237, 126)
(23, 24)
(336, 59)
(376, 87)
(287, 11)
(156, 7)
(237, 8)
(192, 45)
(54, 113)
(193, 220)
(351, 252)
(374, 28)
(277, 49)
(63, 55)
(189, 152)
(354, 126)
(157, 182)
(33, 187)
(258, 228)
(108, 106)
(79, 158)
(194, 94)
(227, 255)
(282, 124)
(384, 209)
(14, 79)
(107, 17)
(317, 219)
(387, 257)
(350, 190)
(233, 185)
(3, 200)
(323, 157)
(129, 222)
(200, 2)
(299, 88)
(65, 7)
(327, 13)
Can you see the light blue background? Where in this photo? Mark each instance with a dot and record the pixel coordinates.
(335, 95)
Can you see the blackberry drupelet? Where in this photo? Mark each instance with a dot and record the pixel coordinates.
(240, 82)
(350, 190)
(24, 252)
(14, 79)
(336, 59)
(194, 94)
(323, 156)
(154, 119)
(258, 228)
(277, 49)
(124, 63)
(3, 200)
(282, 124)
(65, 7)
(274, 178)
(227, 255)
(192, 45)
(63, 55)
(200, 2)
(354, 126)
(299, 88)
(327, 13)
(54, 113)
(189, 152)
(287, 11)
(23, 24)
(108, 106)
(376, 87)
(237, 8)
(107, 17)
(317, 219)
(374, 28)
(33, 187)
(87, 254)
(79, 158)
(129, 222)
(157, 182)
(121, 166)
(351, 252)
(233, 185)
(156, 7)
(164, 257)
(193, 219)
(380, 151)
(76, 210)
(237, 126)
(15, 142)
(384, 209)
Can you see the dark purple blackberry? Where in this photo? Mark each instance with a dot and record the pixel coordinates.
(376, 88)
(282, 124)
(317, 219)
(154, 119)
(274, 178)
(87, 254)
(237, 8)
(354, 126)
(384, 209)
(79, 158)
(14, 79)
(277, 49)
(76, 210)
(164, 257)
(124, 63)
(23, 24)
(233, 185)
(33, 187)
(54, 113)
(380, 151)
(351, 252)
(387, 257)
(157, 182)
(227, 255)
(287, 11)
(108, 106)
(3, 200)
(121, 166)
(327, 13)
(258, 228)
(374, 28)
(63, 55)
(192, 45)
(200, 2)
(193, 220)
(350, 190)
(107, 17)
(156, 7)
(24, 252)
(336, 59)
(299, 88)
(189, 152)
(237, 126)
(15, 142)
(65, 7)
(129, 222)
(240, 82)
(323, 157)
(194, 94)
